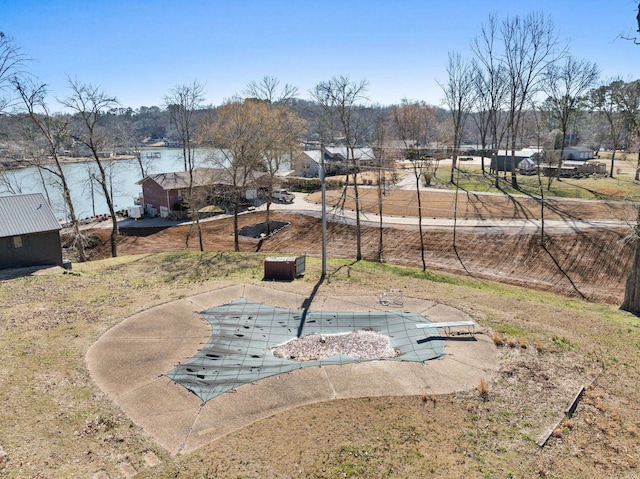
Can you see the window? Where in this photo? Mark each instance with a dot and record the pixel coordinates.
(17, 242)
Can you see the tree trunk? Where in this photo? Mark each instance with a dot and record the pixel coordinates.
(381, 175)
(267, 216)
(454, 159)
(613, 159)
(514, 179)
(358, 229)
(79, 240)
(424, 264)
(196, 213)
(109, 199)
(236, 241)
(631, 301)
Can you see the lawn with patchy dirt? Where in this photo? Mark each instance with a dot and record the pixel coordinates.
(55, 422)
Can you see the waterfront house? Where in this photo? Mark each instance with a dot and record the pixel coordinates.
(164, 193)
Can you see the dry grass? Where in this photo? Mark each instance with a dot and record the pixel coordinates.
(483, 389)
(538, 346)
(57, 423)
(512, 342)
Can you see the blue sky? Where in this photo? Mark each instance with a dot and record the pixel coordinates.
(137, 50)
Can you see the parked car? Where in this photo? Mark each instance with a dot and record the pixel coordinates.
(283, 195)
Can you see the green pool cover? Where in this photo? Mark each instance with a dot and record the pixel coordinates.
(243, 333)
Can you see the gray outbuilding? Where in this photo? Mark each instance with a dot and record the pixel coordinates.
(29, 232)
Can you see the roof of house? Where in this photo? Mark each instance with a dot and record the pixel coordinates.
(578, 148)
(524, 152)
(201, 177)
(340, 153)
(313, 155)
(26, 214)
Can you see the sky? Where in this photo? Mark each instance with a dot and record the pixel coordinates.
(137, 50)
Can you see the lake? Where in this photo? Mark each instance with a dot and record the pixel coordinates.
(89, 201)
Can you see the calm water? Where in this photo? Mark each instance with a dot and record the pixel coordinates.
(125, 174)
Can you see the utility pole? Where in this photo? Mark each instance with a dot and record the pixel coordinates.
(324, 213)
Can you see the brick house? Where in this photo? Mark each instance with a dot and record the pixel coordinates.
(163, 193)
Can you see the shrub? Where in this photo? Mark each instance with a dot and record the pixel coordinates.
(483, 389)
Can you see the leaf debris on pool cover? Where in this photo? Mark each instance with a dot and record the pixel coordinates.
(244, 334)
(355, 344)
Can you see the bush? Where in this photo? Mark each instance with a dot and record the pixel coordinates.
(304, 185)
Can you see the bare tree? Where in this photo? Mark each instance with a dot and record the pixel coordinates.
(413, 122)
(54, 131)
(632, 36)
(490, 88)
(628, 99)
(566, 85)
(383, 163)
(281, 126)
(12, 62)
(459, 98)
(341, 99)
(128, 138)
(631, 302)
(269, 89)
(88, 103)
(238, 135)
(283, 130)
(183, 103)
(530, 45)
(605, 100)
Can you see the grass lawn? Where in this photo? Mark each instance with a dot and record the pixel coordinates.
(57, 423)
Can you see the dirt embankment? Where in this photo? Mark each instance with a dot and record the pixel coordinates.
(593, 263)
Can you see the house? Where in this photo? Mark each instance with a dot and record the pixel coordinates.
(307, 164)
(502, 159)
(577, 153)
(411, 149)
(29, 232)
(335, 161)
(164, 193)
(576, 161)
(528, 166)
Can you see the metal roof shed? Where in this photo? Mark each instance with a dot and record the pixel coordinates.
(29, 232)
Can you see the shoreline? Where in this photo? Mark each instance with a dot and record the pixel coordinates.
(8, 164)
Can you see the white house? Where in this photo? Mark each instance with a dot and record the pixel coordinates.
(580, 153)
(335, 161)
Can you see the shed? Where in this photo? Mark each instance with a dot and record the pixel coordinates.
(29, 232)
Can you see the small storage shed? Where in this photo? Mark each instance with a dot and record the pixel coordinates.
(284, 268)
(29, 232)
